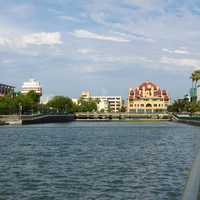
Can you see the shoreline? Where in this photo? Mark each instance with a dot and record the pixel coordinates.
(65, 118)
(123, 120)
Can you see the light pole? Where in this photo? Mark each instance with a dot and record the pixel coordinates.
(20, 110)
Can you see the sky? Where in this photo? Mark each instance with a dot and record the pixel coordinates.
(105, 46)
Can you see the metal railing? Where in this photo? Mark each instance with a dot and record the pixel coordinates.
(192, 189)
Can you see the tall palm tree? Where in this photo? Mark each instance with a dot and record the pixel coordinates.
(195, 77)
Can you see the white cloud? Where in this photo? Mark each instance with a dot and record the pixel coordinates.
(104, 59)
(135, 36)
(42, 38)
(20, 9)
(146, 4)
(176, 51)
(7, 61)
(186, 63)
(68, 18)
(81, 33)
(85, 51)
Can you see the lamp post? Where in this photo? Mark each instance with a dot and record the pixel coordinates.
(20, 110)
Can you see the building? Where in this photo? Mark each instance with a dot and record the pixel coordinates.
(85, 94)
(148, 98)
(110, 103)
(195, 94)
(6, 89)
(198, 93)
(45, 99)
(31, 85)
(75, 100)
(105, 103)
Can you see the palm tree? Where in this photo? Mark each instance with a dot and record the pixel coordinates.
(195, 77)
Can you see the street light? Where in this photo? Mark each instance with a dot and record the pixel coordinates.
(20, 110)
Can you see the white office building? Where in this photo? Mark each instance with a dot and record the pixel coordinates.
(31, 85)
(198, 93)
(106, 103)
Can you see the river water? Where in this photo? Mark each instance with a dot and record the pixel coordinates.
(103, 161)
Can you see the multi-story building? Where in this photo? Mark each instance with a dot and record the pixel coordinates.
(106, 103)
(6, 89)
(102, 105)
(195, 93)
(111, 103)
(198, 93)
(31, 85)
(85, 94)
(148, 98)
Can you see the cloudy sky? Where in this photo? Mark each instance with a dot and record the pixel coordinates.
(106, 46)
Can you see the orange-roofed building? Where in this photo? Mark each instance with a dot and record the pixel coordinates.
(148, 98)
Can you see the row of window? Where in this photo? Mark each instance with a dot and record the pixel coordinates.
(142, 111)
(149, 99)
(147, 105)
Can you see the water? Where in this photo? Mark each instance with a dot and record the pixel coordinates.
(102, 161)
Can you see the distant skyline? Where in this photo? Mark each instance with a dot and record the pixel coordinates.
(105, 46)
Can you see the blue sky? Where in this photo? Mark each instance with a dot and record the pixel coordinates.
(106, 46)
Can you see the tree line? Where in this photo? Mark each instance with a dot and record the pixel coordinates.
(30, 104)
(188, 105)
(184, 105)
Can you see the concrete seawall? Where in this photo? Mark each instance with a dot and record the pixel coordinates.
(189, 122)
(35, 119)
(118, 116)
(43, 119)
(192, 188)
(10, 119)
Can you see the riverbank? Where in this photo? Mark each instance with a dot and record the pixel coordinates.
(44, 119)
(93, 117)
(124, 120)
(3, 123)
(189, 122)
(35, 119)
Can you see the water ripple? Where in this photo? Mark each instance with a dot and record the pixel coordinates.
(96, 161)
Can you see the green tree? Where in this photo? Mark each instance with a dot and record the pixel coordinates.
(26, 103)
(33, 96)
(183, 105)
(61, 104)
(7, 105)
(195, 77)
(87, 105)
(180, 105)
(194, 107)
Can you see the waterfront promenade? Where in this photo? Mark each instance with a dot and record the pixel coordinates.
(57, 118)
(119, 116)
(94, 116)
(36, 119)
